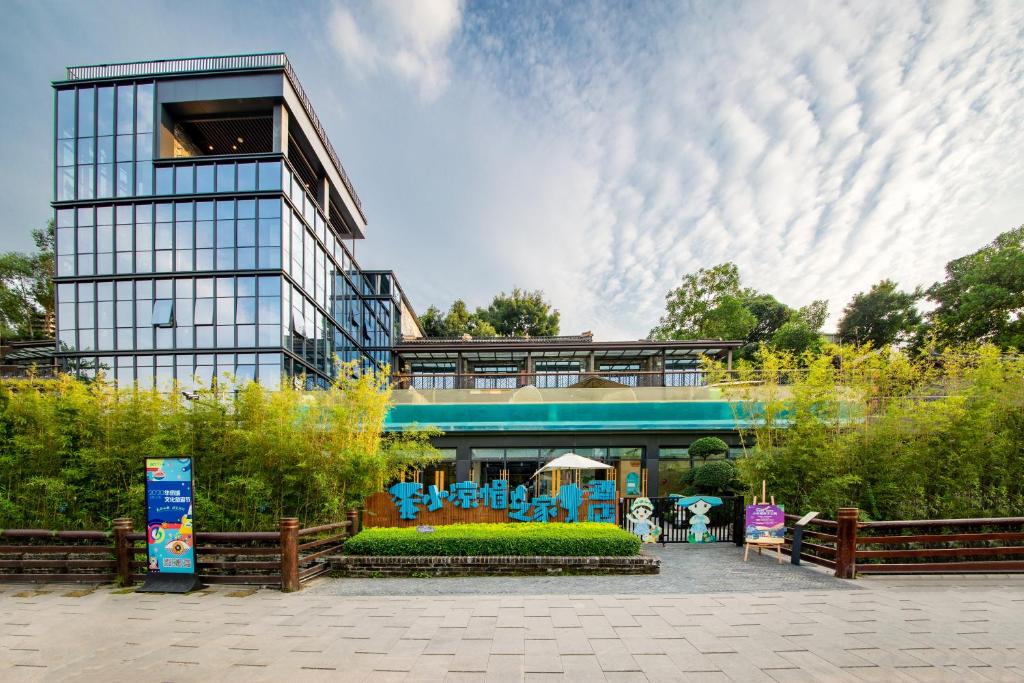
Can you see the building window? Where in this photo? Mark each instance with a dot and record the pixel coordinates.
(163, 313)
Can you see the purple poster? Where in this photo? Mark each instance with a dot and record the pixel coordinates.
(765, 522)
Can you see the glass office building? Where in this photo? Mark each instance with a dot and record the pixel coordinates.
(205, 227)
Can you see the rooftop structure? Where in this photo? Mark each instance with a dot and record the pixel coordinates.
(203, 227)
(553, 362)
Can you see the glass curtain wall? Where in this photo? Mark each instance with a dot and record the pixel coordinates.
(120, 260)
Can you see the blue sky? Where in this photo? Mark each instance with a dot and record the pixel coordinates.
(600, 152)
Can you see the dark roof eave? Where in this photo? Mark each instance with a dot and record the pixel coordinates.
(426, 345)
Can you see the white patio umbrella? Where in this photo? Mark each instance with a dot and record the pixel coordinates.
(573, 461)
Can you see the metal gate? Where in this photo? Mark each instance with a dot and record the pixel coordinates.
(726, 519)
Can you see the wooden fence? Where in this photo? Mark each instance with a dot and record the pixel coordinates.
(941, 545)
(919, 546)
(819, 541)
(286, 558)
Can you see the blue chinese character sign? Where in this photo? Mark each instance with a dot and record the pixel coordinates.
(170, 545)
(465, 501)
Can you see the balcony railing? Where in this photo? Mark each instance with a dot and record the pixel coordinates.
(28, 371)
(551, 380)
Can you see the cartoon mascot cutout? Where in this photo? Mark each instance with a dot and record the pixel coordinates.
(640, 512)
(699, 520)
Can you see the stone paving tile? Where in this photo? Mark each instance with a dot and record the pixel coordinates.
(597, 626)
(508, 641)
(581, 667)
(480, 628)
(881, 632)
(471, 657)
(465, 677)
(613, 655)
(501, 667)
(539, 628)
(572, 641)
(626, 676)
(542, 657)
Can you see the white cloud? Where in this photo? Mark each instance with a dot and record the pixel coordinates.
(822, 147)
(602, 152)
(408, 39)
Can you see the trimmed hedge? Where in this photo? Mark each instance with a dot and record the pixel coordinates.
(583, 539)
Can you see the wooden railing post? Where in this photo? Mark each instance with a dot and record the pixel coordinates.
(123, 550)
(353, 518)
(289, 554)
(846, 543)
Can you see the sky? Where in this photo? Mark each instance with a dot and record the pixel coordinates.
(599, 151)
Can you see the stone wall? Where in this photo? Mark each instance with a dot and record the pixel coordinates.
(381, 566)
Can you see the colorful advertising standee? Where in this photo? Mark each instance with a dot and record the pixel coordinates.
(170, 547)
(765, 524)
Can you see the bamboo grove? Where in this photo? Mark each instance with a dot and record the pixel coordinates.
(935, 435)
(71, 453)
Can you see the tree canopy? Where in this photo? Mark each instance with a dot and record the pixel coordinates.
(518, 314)
(982, 297)
(882, 316)
(712, 304)
(705, 302)
(26, 289)
(457, 322)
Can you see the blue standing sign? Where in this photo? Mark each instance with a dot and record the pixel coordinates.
(170, 544)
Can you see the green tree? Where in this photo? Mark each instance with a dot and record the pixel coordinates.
(770, 313)
(730, 319)
(26, 289)
(704, 303)
(432, 322)
(707, 446)
(982, 297)
(718, 477)
(456, 322)
(882, 316)
(460, 321)
(802, 332)
(521, 313)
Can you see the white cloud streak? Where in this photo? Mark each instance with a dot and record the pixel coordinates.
(821, 146)
(408, 39)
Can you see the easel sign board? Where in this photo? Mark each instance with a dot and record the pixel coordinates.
(765, 524)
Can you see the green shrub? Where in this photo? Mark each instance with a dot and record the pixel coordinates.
(708, 446)
(583, 539)
(716, 476)
(71, 452)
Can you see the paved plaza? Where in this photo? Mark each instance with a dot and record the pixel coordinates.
(685, 568)
(759, 624)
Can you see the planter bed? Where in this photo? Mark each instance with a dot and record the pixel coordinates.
(487, 565)
(582, 539)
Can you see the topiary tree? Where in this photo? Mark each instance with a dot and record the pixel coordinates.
(708, 446)
(716, 477)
